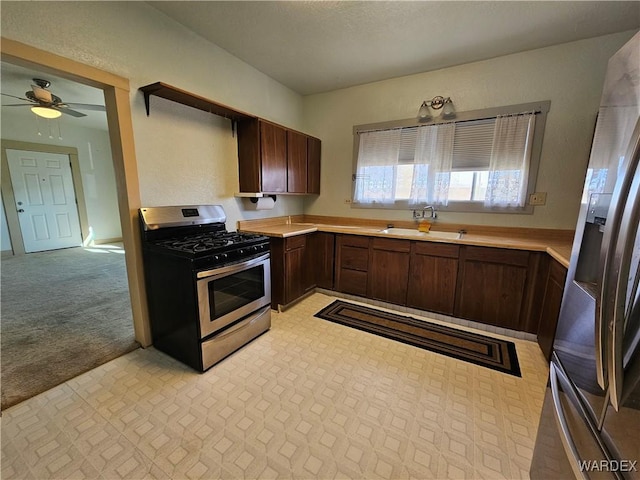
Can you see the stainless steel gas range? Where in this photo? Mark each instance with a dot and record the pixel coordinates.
(208, 290)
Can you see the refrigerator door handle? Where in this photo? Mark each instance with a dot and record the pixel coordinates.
(621, 263)
(565, 435)
(609, 266)
(559, 380)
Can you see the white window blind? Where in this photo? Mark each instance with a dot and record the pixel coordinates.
(472, 145)
(407, 145)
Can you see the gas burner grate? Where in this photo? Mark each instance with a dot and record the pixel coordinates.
(207, 242)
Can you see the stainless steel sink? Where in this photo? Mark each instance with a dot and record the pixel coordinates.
(409, 232)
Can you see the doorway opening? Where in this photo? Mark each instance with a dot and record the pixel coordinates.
(120, 134)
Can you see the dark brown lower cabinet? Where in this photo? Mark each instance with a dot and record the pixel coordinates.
(388, 270)
(352, 264)
(514, 289)
(491, 286)
(289, 267)
(433, 273)
(321, 258)
(551, 303)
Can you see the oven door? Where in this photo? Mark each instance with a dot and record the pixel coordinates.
(229, 293)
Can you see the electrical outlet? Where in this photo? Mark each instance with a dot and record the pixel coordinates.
(538, 198)
(347, 200)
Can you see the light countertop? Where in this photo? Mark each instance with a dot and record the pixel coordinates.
(558, 248)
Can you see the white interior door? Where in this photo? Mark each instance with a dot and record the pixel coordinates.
(45, 200)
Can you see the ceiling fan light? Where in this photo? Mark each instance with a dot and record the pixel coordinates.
(46, 112)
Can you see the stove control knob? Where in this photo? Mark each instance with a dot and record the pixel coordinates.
(216, 258)
(224, 256)
(241, 251)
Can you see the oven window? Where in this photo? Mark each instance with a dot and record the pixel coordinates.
(234, 291)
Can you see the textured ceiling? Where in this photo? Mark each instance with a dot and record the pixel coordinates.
(317, 46)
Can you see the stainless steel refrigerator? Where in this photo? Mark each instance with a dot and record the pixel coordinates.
(590, 422)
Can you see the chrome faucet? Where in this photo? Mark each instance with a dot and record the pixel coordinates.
(433, 215)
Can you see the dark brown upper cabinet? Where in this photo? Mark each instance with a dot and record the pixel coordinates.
(275, 159)
(313, 165)
(296, 162)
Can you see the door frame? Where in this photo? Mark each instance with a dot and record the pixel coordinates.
(8, 197)
(118, 107)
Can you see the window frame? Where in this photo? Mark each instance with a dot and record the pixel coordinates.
(541, 109)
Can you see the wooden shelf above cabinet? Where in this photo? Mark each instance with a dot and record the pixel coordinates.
(177, 95)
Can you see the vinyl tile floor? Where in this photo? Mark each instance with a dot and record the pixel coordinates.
(309, 399)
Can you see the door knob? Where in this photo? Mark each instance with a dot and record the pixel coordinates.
(21, 210)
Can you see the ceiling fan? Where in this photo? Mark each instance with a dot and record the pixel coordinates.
(46, 104)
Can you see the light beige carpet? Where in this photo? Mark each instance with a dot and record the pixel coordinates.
(63, 312)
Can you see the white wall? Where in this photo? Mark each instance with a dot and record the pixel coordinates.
(184, 156)
(188, 156)
(96, 165)
(570, 75)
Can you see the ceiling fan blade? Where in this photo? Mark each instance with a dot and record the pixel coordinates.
(19, 98)
(87, 106)
(68, 111)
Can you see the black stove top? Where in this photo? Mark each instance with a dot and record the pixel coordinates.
(210, 242)
(206, 250)
(197, 234)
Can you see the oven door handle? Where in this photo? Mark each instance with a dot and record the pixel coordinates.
(236, 267)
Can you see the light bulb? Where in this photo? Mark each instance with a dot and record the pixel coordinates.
(423, 113)
(46, 112)
(448, 111)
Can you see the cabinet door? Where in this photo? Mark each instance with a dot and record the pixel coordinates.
(433, 272)
(294, 274)
(273, 150)
(249, 164)
(277, 272)
(288, 270)
(551, 307)
(491, 285)
(295, 277)
(313, 165)
(296, 162)
(389, 270)
(320, 250)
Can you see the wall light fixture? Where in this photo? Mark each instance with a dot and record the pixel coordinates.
(436, 103)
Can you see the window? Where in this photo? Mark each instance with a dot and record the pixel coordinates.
(484, 160)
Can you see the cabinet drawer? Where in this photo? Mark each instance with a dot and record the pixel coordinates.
(298, 241)
(435, 249)
(354, 282)
(354, 258)
(354, 241)
(391, 245)
(497, 255)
